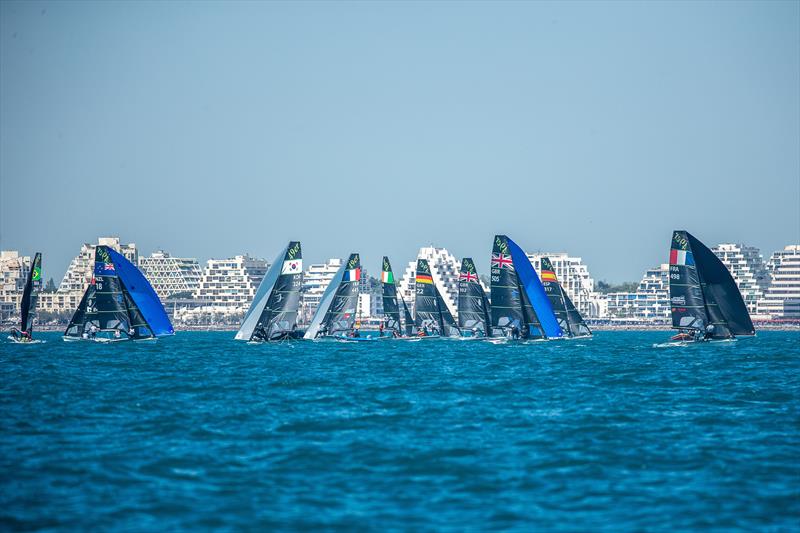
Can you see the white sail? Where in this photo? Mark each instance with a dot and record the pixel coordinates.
(325, 303)
(250, 322)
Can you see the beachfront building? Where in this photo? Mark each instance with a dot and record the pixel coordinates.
(748, 270)
(316, 279)
(79, 273)
(574, 277)
(14, 271)
(649, 303)
(227, 286)
(782, 299)
(171, 276)
(444, 270)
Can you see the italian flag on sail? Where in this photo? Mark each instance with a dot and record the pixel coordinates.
(387, 277)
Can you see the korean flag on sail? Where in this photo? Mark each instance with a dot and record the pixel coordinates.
(292, 266)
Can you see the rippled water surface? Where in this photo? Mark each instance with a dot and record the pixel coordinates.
(201, 432)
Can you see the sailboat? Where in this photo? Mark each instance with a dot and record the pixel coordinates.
(569, 319)
(336, 313)
(118, 305)
(704, 300)
(273, 313)
(520, 307)
(473, 306)
(432, 317)
(27, 305)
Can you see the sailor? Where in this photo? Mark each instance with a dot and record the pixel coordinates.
(356, 333)
(514, 332)
(380, 328)
(92, 331)
(475, 332)
(117, 334)
(131, 332)
(709, 331)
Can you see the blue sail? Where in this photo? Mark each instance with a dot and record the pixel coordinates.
(535, 291)
(143, 295)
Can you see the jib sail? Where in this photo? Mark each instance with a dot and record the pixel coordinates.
(336, 313)
(273, 313)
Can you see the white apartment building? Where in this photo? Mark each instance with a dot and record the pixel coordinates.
(14, 271)
(227, 286)
(574, 277)
(79, 273)
(649, 303)
(316, 279)
(170, 275)
(444, 270)
(782, 298)
(748, 270)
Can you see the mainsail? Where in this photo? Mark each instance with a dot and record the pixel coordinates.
(430, 310)
(336, 312)
(569, 319)
(30, 295)
(703, 292)
(518, 298)
(473, 307)
(391, 310)
(273, 313)
(118, 300)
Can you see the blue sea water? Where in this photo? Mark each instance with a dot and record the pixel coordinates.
(198, 431)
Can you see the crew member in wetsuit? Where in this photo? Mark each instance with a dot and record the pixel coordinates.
(514, 332)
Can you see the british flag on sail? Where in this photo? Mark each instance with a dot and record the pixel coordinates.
(352, 274)
(468, 276)
(502, 261)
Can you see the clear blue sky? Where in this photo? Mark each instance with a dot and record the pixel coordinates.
(214, 129)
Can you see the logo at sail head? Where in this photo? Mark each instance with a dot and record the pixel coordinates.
(292, 266)
(502, 261)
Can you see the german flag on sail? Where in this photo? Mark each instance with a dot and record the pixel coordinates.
(549, 275)
(424, 278)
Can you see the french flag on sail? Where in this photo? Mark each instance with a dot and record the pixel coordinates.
(680, 257)
(352, 275)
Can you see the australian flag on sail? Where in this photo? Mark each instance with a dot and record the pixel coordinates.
(352, 274)
(680, 257)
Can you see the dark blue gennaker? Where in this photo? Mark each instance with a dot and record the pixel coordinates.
(143, 295)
